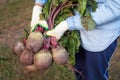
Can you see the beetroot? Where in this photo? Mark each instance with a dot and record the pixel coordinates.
(60, 55)
(42, 59)
(18, 48)
(26, 57)
(34, 41)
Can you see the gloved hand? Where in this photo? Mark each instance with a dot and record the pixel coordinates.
(59, 30)
(71, 23)
(36, 20)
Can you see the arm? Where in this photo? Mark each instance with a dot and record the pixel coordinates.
(71, 23)
(37, 10)
(106, 12)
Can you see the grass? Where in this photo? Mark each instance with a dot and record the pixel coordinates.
(114, 70)
(15, 15)
(6, 61)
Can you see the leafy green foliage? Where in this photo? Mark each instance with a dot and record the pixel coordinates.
(87, 21)
(82, 6)
(71, 41)
(92, 4)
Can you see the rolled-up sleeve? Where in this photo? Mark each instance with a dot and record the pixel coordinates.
(74, 22)
(106, 12)
(41, 1)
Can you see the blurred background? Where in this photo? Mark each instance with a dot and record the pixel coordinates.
(15, 16)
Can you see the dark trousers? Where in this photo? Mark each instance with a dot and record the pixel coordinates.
(94, 65)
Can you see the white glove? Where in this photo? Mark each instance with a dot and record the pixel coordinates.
(59, 30)
(37, 10)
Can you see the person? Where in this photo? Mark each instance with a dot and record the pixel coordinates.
(98, 45)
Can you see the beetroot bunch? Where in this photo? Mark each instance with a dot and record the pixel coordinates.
(39, 51)
(34, 56)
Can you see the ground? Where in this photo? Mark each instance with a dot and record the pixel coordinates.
(14, 18)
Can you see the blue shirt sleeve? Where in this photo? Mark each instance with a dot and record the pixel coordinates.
(106, 12)
(41, 1)
(74, 22)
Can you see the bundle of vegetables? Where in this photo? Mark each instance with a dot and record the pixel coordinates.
(38, 51)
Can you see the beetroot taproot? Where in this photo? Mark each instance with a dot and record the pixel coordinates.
(26, 57)
(42, 59)
(30, 68)
(60, 55)
(34, 41)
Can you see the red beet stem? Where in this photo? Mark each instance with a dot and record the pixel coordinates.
(52, 15)
(55, 11)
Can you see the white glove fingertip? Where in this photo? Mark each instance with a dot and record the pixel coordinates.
(49, 33)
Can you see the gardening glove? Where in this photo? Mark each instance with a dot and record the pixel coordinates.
(59, 30)
(71, 23)
(36, 19)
